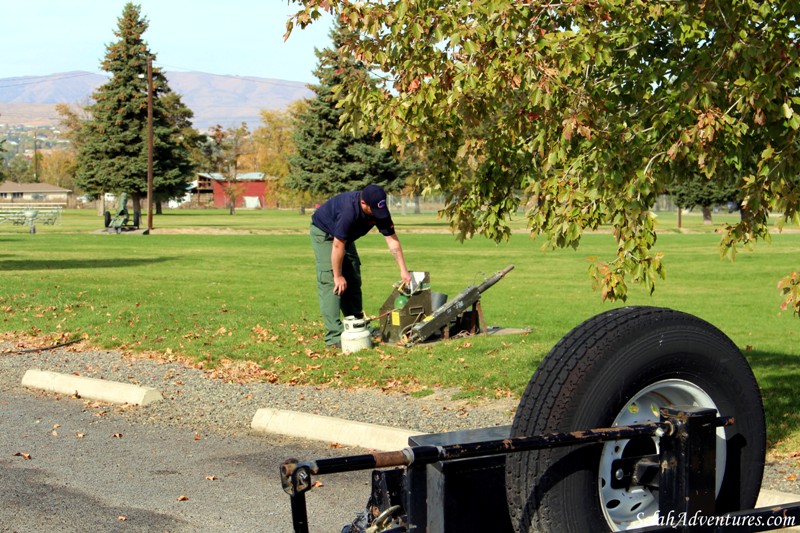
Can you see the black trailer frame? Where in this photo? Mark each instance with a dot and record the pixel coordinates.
(683, 471)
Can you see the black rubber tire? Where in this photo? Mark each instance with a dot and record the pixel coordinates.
(585, 382)
(106, 218)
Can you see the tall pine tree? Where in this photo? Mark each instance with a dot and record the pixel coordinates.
(113, 154)
(328, 160)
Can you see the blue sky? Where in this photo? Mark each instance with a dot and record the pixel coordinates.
(233, 37)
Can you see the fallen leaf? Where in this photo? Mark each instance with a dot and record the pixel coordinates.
(197, 437)
(80, 435)
(23, 455)
(183, 498)
(791, 477)
(336, 445)
(54, 433)
(316, 484)
(211, 478)
(117, 435)
(122, 518)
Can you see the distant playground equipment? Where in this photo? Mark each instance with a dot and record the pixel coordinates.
(30, 214)
(121, 219)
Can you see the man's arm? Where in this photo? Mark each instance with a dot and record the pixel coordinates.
(397, 252)
(337, 256)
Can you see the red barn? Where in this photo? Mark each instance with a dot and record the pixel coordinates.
(251, 190)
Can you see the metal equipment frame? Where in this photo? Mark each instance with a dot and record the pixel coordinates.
(683, 470)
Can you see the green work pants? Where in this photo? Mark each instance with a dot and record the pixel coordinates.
(332, 305)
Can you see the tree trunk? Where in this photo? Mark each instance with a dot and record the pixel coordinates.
(707, 215)
(416, 204)
(136, 203)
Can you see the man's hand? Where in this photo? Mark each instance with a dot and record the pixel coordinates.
(339, 285)
(337, 257)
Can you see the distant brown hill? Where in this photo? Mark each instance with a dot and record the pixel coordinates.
(215, 99)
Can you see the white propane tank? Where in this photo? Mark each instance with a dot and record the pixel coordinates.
(356, 335)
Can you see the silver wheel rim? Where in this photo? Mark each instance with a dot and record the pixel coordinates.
(637, 506)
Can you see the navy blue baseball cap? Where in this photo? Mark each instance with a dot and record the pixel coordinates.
(375, 197)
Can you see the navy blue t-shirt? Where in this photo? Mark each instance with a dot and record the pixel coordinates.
(342, 217)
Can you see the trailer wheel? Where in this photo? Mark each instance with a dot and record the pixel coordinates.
(620, 368)
(106, 218)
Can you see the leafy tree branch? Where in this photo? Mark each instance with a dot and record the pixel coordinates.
(583, 111)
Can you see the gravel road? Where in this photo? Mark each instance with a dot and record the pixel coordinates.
(202, 403)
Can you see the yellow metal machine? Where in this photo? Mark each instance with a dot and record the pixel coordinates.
(414, 314)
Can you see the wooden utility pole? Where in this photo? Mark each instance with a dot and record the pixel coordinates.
(149, 143)
(35, 157)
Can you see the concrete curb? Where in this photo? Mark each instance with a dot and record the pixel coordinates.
(125, 231)
(330, 429)
(768, 498)
(94, 389)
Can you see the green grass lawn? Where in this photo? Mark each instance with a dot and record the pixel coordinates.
(289, 221)
(212, 295)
